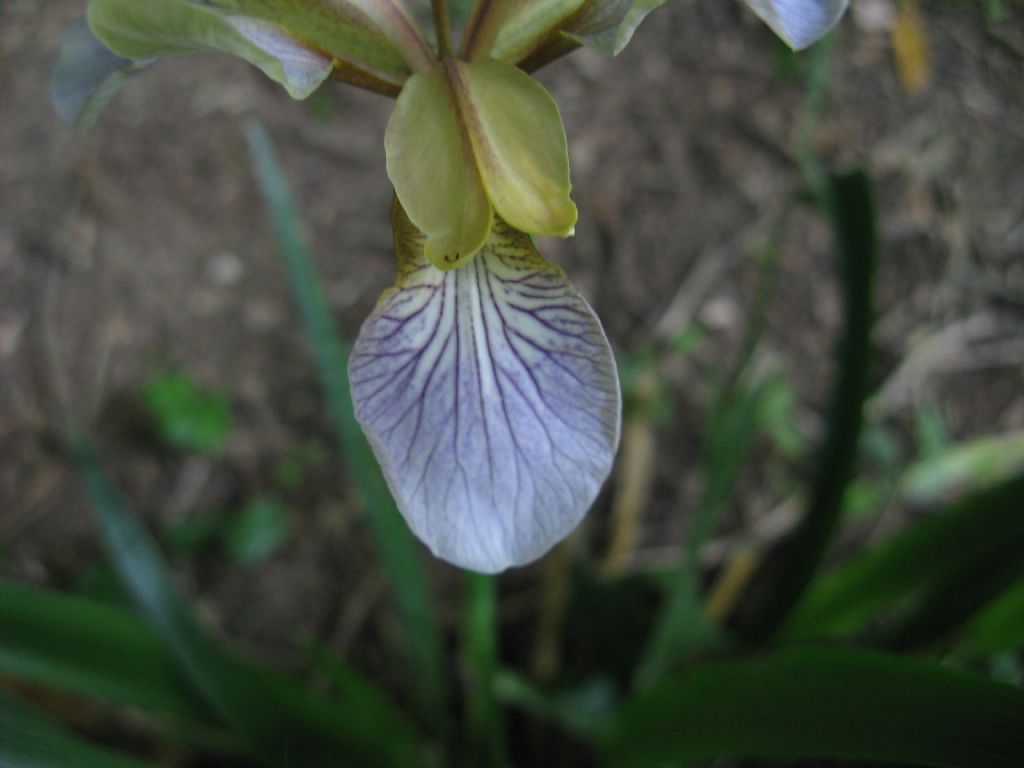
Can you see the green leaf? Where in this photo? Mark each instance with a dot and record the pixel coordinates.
(187, 416)
(581, 711)
(971, 465)
(791, 566)
(262, 527)
(87, 76)
(395, 546)
(153, 29)
(998, 627)
(28, 740)
(336, 28)
(823, 704)
(281, 722)
(82, 646)
(926, 554)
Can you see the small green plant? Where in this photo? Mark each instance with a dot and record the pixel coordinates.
(187, 416)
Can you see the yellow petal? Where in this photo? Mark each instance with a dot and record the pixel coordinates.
(431, 166)
(518, 143)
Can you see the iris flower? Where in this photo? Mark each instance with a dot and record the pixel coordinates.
(482, 378)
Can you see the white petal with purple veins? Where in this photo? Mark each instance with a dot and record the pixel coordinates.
(491, 399)
(800, 22)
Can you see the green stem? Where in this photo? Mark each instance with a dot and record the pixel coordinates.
(481, 662)
(443, 26)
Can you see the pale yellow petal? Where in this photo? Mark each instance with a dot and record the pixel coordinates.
(433, 171)
(518, 143)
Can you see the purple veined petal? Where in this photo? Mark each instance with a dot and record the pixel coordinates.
(800, 22)
(490, 397)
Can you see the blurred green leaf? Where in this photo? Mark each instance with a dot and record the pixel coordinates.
(999, 627)
(261, 529)
(282, 722)
(397, 550)
(778, 416)
(931, 431)
(28, 740)
(809, 703)
(582, 711)
(970, 465)
(83, 646)
(788, 569)
(948, 603)
(844, 600)
(197, 532)
(480, 651)
(187, 416)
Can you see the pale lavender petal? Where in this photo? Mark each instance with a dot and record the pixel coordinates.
(491, 399)
(800, 22)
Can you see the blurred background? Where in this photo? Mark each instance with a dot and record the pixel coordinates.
(142, 294)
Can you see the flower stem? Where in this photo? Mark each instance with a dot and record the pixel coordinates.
(443, 25)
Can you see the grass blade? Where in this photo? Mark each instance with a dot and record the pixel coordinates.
(790, 567)
(395, 545)
(998, 627)
(281, 722)
(823, 704)
(28, 740)
(843, 601)
(486, 718)
(79, 645)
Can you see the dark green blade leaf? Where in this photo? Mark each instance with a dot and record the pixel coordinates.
(824, 704)
(930, 552)
(999, 627)
(395, 544)
(82, 646)
(283, 723)
(790, 567)
(28, 740)
(87, 76)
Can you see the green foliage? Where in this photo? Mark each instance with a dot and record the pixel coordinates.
(394, 542)
(28, 740)
(188, 416)
(822, 703)
(261, 528)
(277, 719)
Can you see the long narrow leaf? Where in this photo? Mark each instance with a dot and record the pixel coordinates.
(395, 545)
(283, 723)
(28, 740)
(792, 565)
(926, 554)
(951, 602)
(999, 627)
(824, 704)
(82, 646)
